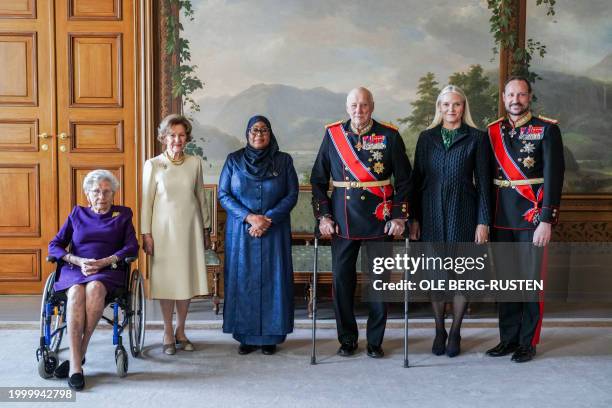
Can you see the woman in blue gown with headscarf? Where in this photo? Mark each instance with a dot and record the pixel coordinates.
(258, 188)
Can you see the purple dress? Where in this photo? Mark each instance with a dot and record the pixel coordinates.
(95, 236)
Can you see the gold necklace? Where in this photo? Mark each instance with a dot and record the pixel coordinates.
(176, 162)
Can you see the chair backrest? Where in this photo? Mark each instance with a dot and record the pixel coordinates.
(211, 200)
(302, 217)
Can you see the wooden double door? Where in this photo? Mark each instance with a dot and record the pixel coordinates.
(68, 105)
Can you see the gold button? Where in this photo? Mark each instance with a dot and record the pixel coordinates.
(346, 178)
(348, 197)
(363, 197)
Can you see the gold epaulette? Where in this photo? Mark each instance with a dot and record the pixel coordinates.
(389, 125)
(333, 124)
(495, 121)
(549, 120)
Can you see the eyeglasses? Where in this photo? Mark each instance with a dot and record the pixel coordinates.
(98, 192)
(259, 131)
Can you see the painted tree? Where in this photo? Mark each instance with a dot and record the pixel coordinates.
(423, 109)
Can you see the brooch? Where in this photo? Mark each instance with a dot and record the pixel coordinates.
(116, 214)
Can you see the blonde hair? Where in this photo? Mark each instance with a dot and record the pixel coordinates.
(467, 116)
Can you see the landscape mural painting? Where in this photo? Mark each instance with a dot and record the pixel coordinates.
(294, 62)
(576, 87)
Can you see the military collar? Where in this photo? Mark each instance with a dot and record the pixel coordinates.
(521, 121)
(364, 130)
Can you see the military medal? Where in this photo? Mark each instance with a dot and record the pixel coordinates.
(379, 167)
(528, 162)
(528, 148)
(358, 146)
(377, 155)
(513, 132)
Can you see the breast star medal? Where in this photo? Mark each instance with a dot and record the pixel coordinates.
(528, 148)
(379, 167)
(377, 155)
(528, 162)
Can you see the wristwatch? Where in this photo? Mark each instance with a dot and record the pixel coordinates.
(115, 260)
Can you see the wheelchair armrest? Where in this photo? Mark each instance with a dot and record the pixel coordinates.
(130, 259)
(51, 259)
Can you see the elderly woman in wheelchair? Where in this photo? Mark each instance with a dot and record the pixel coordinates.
(93, 250)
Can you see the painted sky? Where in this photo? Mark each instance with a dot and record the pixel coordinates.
(385, 45)
(577, 37)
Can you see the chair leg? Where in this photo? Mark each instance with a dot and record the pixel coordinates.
(216, 292)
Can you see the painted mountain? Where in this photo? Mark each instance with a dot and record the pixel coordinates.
(581, 103)
(298, 117)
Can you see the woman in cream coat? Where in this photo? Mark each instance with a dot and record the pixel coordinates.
(175, 225)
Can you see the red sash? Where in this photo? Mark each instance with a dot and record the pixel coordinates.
(360, 171)
(513, 172)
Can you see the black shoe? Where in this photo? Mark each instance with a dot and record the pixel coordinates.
(62, 370)
(453, 348)
(76, 381)
(347, 348)
(524, 354)
(502, 349)
(439, 344)
(246, 349)
(375, 351)
(268, 350)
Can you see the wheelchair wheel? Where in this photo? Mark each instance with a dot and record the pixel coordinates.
(138, 314)
(45, 298)
(121, 360)
(58, 323)
(58, 319)
(47, 364)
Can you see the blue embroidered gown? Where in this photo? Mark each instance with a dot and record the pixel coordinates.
(258, 306)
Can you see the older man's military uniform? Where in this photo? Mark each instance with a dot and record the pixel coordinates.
(362, 202)
(528, 179)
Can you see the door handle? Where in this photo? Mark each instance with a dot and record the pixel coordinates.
(44, 136)
(63, 136)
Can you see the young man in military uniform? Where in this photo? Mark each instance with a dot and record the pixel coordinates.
(528, 178)
(360, 155)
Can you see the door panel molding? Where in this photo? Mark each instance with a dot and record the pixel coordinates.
(19, 135)
(20, 210)
(95, 69)
(19, 69)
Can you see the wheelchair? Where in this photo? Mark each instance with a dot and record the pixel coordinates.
(129, 299)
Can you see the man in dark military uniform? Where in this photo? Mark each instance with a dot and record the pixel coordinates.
(360, 155)
(528, 177)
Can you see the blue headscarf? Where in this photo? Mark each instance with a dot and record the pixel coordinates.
(259, 163)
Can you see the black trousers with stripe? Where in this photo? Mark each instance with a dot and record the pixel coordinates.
(344, 259)
(520, 322)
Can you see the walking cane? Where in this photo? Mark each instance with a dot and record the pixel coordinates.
(313, 355)
(406, 248)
